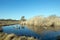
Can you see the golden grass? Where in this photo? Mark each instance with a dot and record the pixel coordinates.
(39, 24)
(4, 36)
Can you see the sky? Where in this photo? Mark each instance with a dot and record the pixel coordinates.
(14, 9)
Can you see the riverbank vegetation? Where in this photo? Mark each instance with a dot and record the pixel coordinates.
(5, 22)
(40, 23)
(37, 23)
(5, 36)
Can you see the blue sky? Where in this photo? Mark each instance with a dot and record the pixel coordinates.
(14, 9)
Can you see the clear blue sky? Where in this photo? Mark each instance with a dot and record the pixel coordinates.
(14, 9)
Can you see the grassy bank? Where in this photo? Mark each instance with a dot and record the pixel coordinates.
(5, 36)
(8, 22)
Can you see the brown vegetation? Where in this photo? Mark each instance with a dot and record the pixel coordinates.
(40, 24)
(5, 36)
(8, 22)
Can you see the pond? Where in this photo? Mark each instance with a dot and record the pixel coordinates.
(24, 31)
(20, 31)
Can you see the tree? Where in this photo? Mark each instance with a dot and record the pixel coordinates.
(23, 18)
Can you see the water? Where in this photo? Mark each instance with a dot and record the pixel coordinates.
(20, 31)
(50, 35)
(24, 31)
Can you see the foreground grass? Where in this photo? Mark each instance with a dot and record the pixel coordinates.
(5, 36)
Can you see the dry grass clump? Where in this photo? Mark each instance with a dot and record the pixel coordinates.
(52, 23)
(5, 36)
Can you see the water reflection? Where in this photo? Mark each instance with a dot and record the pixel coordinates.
(20, 31)
(24, 31)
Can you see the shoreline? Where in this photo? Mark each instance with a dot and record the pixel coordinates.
(8, 22)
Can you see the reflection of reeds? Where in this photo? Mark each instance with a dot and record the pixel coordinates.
(39, 24)
(5, 36)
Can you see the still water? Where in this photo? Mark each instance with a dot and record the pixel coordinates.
(24, 31)
(20, 31)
